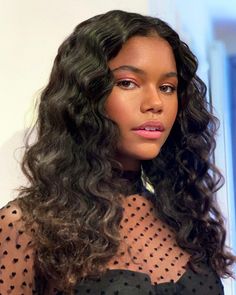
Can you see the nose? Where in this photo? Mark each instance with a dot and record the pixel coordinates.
(152, 102)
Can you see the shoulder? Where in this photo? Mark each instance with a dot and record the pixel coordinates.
(12, 229)
(17, 253)
(11, 218)
(10, 213)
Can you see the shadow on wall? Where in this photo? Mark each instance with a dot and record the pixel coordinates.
(11, 176)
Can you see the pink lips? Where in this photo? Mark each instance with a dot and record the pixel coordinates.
(150, 129)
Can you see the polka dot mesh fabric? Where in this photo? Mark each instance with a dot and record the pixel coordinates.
(16, 255)
(147, 244)
(148, 261)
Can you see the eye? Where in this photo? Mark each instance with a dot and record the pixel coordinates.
(169, 89)
(126, 84)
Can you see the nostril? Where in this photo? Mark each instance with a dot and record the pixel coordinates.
(151, 101)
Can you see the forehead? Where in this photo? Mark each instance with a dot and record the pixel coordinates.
(140, 51)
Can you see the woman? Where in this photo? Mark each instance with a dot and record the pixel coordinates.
(121, 189)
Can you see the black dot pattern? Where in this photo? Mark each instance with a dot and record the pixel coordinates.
(148, 261)
(16, 271)
(148, 245)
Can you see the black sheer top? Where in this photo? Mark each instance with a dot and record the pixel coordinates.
(148, 262)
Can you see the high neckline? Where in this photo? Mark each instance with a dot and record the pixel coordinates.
(131, 175)
(134, 181)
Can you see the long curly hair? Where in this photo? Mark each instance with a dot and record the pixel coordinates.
(74, 196)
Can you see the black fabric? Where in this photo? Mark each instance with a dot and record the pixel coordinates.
(134, 182)
(125, 282)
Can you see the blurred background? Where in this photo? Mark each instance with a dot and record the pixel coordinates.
(31, 32)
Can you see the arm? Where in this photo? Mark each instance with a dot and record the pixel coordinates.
(16, 255)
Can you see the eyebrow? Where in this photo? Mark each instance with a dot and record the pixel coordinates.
(141, 72)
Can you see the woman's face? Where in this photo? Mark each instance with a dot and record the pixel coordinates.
(143, 102)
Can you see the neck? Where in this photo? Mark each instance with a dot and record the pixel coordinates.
(129, 164)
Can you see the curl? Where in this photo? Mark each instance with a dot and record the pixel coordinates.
(74, 196)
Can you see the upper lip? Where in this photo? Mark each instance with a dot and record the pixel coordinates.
(151, 124)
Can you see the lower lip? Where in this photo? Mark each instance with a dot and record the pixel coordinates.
(148, 134)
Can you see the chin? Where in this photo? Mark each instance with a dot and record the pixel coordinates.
(129, 154)
(147, 155)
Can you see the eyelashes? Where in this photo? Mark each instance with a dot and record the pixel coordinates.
(167, 88)
(126, 84)
(129, 85)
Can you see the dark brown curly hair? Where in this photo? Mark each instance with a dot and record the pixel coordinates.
(73, 198)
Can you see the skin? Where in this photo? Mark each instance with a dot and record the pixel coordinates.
(145, 90)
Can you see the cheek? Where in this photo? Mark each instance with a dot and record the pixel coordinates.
(118, 108)
(172, 111)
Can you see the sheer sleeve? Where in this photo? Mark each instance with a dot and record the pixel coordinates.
(16, 254)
